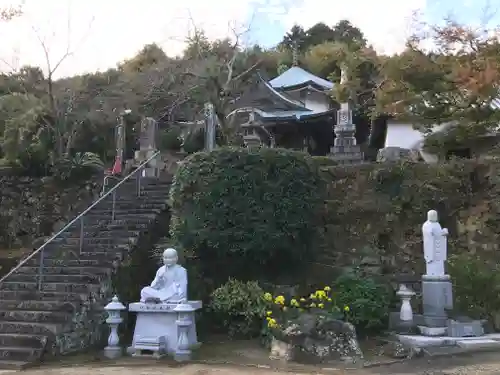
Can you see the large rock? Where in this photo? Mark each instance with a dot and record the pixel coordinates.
(316, 338)
(392, 154)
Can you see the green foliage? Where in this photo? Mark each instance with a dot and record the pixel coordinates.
(367, 299)
(476, 285)
(79, 166)
(244, 209)
(194, 142)
(171, 139)
(239, 307)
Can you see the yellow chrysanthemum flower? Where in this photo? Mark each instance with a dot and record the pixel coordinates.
(302, 300)
(347, 309)
(312, 305)
(320, 294)
(312, 296)
(329, 299)
(321, 305)
(268, 297)
(272, 323)
(268, 318)
(280, 300)
(327, 288)
(294, 303)
(269, 313)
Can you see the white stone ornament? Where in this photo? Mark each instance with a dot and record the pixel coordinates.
(114, 309)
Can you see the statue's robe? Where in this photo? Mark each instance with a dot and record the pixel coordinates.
(435, 248)
(169, 285)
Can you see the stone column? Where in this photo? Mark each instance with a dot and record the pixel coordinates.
(210, 127)
(114, 308)
(437, 297)
(148, 146)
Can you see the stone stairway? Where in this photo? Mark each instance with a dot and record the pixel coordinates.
(67, 314)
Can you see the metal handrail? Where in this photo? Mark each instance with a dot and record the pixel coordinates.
(79, 217)
(104, 183)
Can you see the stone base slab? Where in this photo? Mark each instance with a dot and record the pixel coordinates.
(421, 341)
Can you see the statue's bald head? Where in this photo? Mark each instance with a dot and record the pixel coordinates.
(432, 215)
(170, 257)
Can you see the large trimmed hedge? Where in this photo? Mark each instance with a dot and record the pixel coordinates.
(236, 209)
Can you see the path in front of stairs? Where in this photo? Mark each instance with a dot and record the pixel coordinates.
(477, 364)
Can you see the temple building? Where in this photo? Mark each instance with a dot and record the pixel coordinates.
(293, 110)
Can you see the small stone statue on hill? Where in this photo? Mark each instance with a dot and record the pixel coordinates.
(170, 283)
(435, 246)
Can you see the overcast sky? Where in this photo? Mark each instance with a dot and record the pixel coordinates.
(104, 32)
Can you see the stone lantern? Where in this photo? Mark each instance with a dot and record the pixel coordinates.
(185, 319)
(114, 309)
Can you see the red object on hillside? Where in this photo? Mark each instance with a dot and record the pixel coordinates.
(117, 167)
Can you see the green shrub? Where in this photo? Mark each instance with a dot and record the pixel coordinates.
(239, 210)
(239, 307)
(476, 285)
(194, 141)
(324, 161)
(78, 167)
(171, 139)
(368, 301)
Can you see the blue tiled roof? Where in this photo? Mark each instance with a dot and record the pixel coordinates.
(284, 115)
(296, 76)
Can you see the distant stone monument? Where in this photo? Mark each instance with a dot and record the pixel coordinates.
(345, 150)
(148, 145)
(210, 126)
(165, 318)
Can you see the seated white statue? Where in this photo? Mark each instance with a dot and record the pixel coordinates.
(170, 283)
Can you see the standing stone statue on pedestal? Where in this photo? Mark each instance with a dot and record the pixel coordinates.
(436, 284)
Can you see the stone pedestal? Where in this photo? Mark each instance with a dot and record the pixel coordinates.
(151, 170)
(157, 328)
(437, 297)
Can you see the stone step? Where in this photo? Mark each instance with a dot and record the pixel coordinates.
(108, 225)
(64, 241)
(79, 270)
(58, 278)
(35, 316)
(103, 233)
(13, 365)
(43, 305)
(89, 252)
(49, 287)
(19, 354)
(133, 205)
(136, 201)
(22, 340)
(104, 263)
(35, 295)
(125, 211)
(129, 217)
